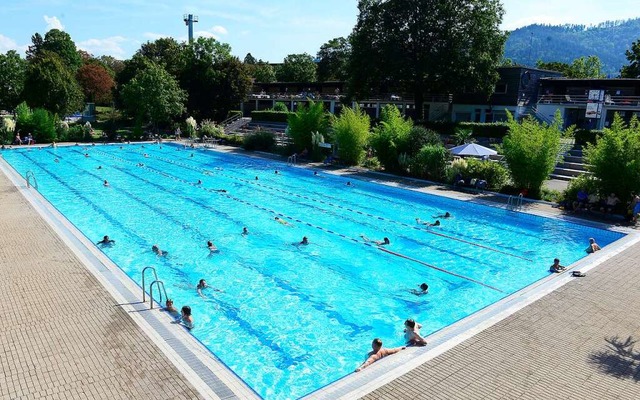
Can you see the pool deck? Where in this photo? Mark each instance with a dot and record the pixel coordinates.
(65, 336)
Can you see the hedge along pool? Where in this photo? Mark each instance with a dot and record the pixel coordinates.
(292, 318)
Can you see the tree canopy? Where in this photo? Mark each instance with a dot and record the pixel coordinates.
(58, 42)
(441, 46)
(333, 58)
(96, 83)
(581, 68)
(12, 77)
(633, 56)
(297, 68)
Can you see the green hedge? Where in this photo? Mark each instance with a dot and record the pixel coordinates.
(270, 116)
(584, 136)
(480, 129)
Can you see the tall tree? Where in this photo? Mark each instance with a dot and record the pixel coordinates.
(633, 56)
(58, 42)
(580, 68)
(263, 72)
(297, 68)
(51, 85)
(96, 82)
(153, 95)
(441, 46)
(333, 59)
(112, 64)
(166, 52)
(211, 74)
(12, 77)
(249, 59)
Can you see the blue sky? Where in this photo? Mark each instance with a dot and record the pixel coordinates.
(268, 29)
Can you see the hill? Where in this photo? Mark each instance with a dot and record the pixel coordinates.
(608, 40)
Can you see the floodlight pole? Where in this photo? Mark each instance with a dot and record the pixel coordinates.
(189, 19)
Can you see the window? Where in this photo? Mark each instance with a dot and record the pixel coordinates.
(500, 88)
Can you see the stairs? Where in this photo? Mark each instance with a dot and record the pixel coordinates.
(236, 124)
(572, 165)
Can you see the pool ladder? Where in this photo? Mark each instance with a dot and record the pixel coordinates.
(158, 283)
(29, 176)
(514, 203)
(292, 160)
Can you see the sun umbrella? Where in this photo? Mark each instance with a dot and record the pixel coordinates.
(472, 149)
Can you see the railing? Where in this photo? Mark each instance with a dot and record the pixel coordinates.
(609, 100)
(231, 119)
(292, 160)
(514, 203)
(155, 274)
(28, 177)
(160, 285)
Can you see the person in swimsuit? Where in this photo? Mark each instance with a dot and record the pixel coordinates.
(382, 242)
(157, 250)
(304, 241)
(593, 246)
(283, 222)
(445, 215)
(170, 308)
(412, 333)
(106, 183)
(556, 267)
(245, 231)
(377, 353)
(424, 289)
(106, 241)
(185, 317)
(212, 247)
(436, 223)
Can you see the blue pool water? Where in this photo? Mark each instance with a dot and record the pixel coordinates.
(290, 319)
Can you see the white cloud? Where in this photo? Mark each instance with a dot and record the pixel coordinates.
(53, 23)
(213, 32)
(108, 46)
(155, 36)
(219, 29)
(7, 44)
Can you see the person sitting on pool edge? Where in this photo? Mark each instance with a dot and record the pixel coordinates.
(377, 353)
(157, 250)
(106, 241)
(424, 289)
(556, 267)
(412, 333)
(185, 318)
(385, 241)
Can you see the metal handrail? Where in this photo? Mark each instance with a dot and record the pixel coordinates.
(155, 274)
(231, 119)
(31, 175)
(160, 286)
(292, 160)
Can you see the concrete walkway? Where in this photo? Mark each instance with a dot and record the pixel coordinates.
(575, 343)
(62, 334)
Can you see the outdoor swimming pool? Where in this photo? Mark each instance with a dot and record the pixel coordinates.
(291, 319)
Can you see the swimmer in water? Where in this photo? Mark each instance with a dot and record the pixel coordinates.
(212, 247)
(424, 289)
(106, 183)
(99, 167)
(157, 250)
(382, 242)
(185, 317)
(349, 183)
(106, 241)
(304, 241)
(283, 222)
(56, 160)
(199, 182)
(445, 215)
(436, 223)
(86, 154)
(256, 178)
(245, 231)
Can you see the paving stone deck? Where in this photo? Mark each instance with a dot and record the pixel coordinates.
(62, 335)
(578, 342)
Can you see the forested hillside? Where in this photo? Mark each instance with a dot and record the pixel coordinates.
(608, 41)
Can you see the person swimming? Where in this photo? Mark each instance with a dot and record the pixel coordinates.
(212, 247)
(185, 318)
(304, 241)
(245, 231)
(445, 215)
(556, 267)
(436, 223)
(385, 241)
(106, 183)
(157, 250)
(199, 182)
(593, 246)
(56, 160)
(256, 178)
(424, 289)
(282, 221)
(106, 241)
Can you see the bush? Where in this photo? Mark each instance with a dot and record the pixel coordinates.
(209, 128)
(7, 130)
(270, 116)
(418, 138)
(390, 137)
(259, 141)
(530, 150)
(351, 131)
(372, 163)
(585, 181)
(74, 134)
(430, 162)
(280, 107)
(496, 174)
(306, 121)
(615, 159)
